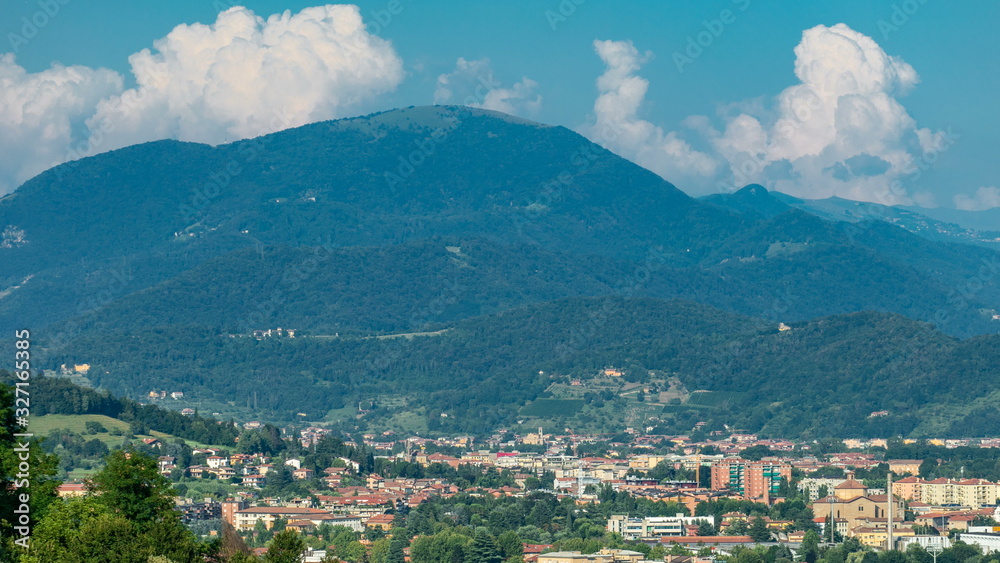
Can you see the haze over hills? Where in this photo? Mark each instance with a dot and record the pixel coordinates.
(934, 224)
(423, 219)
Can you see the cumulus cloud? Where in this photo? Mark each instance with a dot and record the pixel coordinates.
(840, 131)
(985, 198)
(240, 77)
(245, 76)
(472, 84)
(617, 125)
(42, 113)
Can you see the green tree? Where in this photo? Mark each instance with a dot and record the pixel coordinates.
(447, 546)
(286, 547)
(928, 468)
(483, 549)
(756, 453)
(892, 556)
(82, 530)
(705, 528)
(862, 556)
(510, 544)
(380, 550)
(737, 528)
(809, 551)
(94, 427)
(676, 549)
(750, 556)
(917, 554)
(758, 531)
(39, 490)
(131, 485)
(396, 546)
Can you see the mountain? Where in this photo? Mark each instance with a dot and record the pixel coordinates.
(94, 232)
(416, 221)
(753, 200)
(829, 377)
(944, 225)
(986, 220)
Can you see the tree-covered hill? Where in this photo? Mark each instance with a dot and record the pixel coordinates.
(821, 378)
(506, 235)
(95, 233)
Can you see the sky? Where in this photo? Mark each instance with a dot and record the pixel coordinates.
(875, 100)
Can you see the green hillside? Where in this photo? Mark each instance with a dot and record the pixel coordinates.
(691, 363)
(530, 254)
(553, 214)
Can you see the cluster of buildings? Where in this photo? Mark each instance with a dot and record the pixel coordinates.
(866, 514)
(974, 493)
(756, 480)
(357, 507)
(847, 504)
(157, 395)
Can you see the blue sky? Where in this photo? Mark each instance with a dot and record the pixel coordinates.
(547, 49)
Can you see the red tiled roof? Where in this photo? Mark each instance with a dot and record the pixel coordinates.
(706, 539)
(851, 484)
(280, 510)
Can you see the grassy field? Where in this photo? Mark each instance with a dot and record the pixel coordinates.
(79, 474)
(43, 425)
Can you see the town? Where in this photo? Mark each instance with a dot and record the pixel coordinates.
(661, 497)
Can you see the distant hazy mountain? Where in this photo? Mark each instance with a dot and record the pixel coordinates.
(987, 220)
(946, 225)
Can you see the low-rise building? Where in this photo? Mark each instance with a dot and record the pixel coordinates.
(602, 556)
(247, 518)
(988, 541)
(652, 527)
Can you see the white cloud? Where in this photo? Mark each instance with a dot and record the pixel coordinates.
(42, 113)
(840, 131)
(617, 127)
(245, 76)
(472, 84)
(985, 198)
(240, 77)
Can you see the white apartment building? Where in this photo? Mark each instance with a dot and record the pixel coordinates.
(652, 527)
